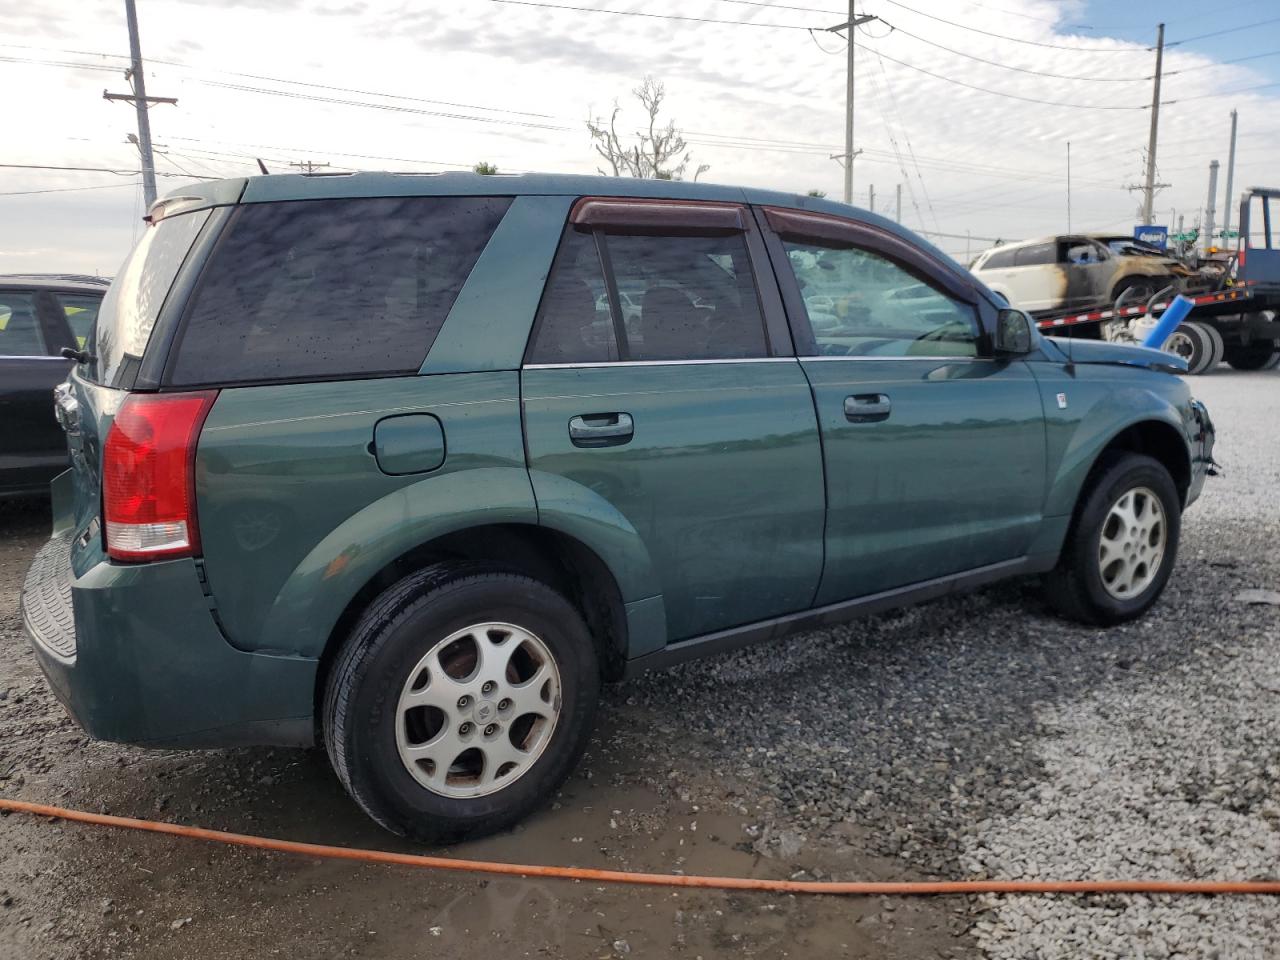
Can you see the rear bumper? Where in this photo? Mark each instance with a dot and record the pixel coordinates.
(135, 655)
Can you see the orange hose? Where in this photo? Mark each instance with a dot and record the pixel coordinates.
(888, 888)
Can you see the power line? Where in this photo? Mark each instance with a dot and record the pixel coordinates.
(1218, 33)
(653, 16)
(1007, 66)
(391, 107)
(100, 186)
(1001, 93)
(1001, 36)
(117, 172)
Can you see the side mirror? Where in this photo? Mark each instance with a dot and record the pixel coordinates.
(1013, 333)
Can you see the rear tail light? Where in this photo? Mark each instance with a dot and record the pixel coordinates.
(148, 475)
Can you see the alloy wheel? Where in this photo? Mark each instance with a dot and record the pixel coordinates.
(478, 710)
(1133, 542)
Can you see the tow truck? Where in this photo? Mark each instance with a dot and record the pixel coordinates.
(1237, 320)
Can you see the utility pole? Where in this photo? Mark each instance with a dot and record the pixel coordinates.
(142, 103)
(898, 206)
(871, 196)
(1150, 188)
(1068, 186)
(308, 166)
(851, 24)
(1209, 205)
(1228, 200)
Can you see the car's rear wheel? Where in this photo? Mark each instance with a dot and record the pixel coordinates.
(1254, 355)
(1122, 544)
(460, 702)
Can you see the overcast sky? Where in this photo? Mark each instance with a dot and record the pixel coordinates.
(458, 81)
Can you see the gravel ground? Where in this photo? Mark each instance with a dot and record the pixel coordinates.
(976, 736)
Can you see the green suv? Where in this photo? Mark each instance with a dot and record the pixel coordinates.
(383, 461)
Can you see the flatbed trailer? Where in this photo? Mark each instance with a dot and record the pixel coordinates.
(1238, 322)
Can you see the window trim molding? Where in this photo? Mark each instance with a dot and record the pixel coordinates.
(659, 215)
(823, 228)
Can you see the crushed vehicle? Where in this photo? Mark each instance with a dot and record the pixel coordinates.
(385, 462)
(1080, 272)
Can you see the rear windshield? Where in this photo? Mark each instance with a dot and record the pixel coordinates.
(129, 312)
(330, 289)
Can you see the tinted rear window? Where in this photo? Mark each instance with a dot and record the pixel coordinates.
(317, 289)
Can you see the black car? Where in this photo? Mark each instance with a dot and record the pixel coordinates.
(40, 314)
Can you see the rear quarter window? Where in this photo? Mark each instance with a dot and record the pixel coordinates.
(128, 314)
(330, 289)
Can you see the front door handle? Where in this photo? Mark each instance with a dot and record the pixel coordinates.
(867, 407)
(601, 429)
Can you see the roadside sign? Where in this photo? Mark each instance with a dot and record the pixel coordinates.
(1152, 236)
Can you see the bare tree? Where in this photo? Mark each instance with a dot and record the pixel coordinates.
(658, 154)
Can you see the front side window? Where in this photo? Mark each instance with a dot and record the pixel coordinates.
(20, 334)
(317, 289)
(861, 304)
(680, 297)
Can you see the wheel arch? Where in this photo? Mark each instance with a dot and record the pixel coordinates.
(551, 556)
(1151, 436)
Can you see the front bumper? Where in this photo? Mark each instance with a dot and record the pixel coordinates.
(135, 655)
(1202, 462)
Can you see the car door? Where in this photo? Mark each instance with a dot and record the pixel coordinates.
(1036, 281)
(934, 449)
(689, 416)
(32, 446)
(1087, 269)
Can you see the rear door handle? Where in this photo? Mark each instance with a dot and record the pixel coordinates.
(601, 429)
(867, 407)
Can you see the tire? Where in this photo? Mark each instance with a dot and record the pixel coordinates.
(1136, 290)
(1251, 356)
(1273, 362)
(381, 697)
(1190, 342)
(1215, 342)
(1083, 586)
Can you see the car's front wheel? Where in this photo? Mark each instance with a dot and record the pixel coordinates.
(460, 702)
(1122, 544)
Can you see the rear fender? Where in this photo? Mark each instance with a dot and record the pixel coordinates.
(320, 588)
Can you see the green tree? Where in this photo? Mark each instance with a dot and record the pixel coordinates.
(817, 193)
(485, 168)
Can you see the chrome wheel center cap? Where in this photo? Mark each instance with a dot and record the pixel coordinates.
(485, 711)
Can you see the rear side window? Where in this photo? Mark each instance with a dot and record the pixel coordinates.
(20, 334)
(81, 313)
(678, 297)
(317, 289)
(1035, 254)
(999, 260)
